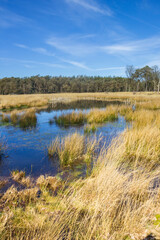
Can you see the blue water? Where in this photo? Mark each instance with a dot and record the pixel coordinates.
(27, 149)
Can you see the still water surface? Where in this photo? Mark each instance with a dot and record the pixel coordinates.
(27, 149)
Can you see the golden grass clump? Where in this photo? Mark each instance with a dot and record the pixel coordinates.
(14, 198)
(69, 149)
(3, 183)
(141, 117)
(90, 128)
(24, 119)
(48, 182)
(28, 119)
(100, 116)
(14, 117)
(19, 176)
(73, 149)
(5, 118)
(142, 147)
(71, 118)
(94, 116)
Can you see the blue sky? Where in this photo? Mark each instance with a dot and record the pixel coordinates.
(78, 37)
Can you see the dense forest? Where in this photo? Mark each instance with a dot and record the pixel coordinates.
(142, 79)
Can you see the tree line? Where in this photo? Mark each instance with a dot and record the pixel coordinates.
(140, 79)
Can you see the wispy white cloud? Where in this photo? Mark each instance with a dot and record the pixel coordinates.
(34, 64)
(117, 48)
(76, 51)
(92, 6)
(27, 62)
(109, 68)
(21, 45)
(84, 66)
(45, 52)
(75, 47)
(71, 45)
(8, 18)
(133, 47)
(38, 50)
(76, 64)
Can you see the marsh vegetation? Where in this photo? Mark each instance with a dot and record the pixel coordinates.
(23, 119)
(118, 198)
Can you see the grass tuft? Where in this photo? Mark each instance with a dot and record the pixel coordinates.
(69, 149)
(100, 116)
(90, 128)
(28, 119)
(73, 149)
(50, 183)
(71, 118)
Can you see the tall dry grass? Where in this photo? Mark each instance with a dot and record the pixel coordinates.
(111, 204)
(28, 119)
(71, 118)
(73, 149)
(37, 100)
(69, 149)
(24, 119)
(94, 116)
(100, 116)
(14, 116)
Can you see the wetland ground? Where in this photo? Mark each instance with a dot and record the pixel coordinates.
(119, 198)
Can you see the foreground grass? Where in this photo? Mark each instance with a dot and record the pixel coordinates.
(110, 204)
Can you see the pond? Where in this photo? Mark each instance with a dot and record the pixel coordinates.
(27, 148)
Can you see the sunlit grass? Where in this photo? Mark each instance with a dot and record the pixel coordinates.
(24, 119)
(14, 116)
(143, 99)
(100, 116)
(90, 128)
(28, 119)
(69, 149)
(110, 202)
(5, 118)
(71, 118)
(20, 177)
(94, 116)
(72, 149)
